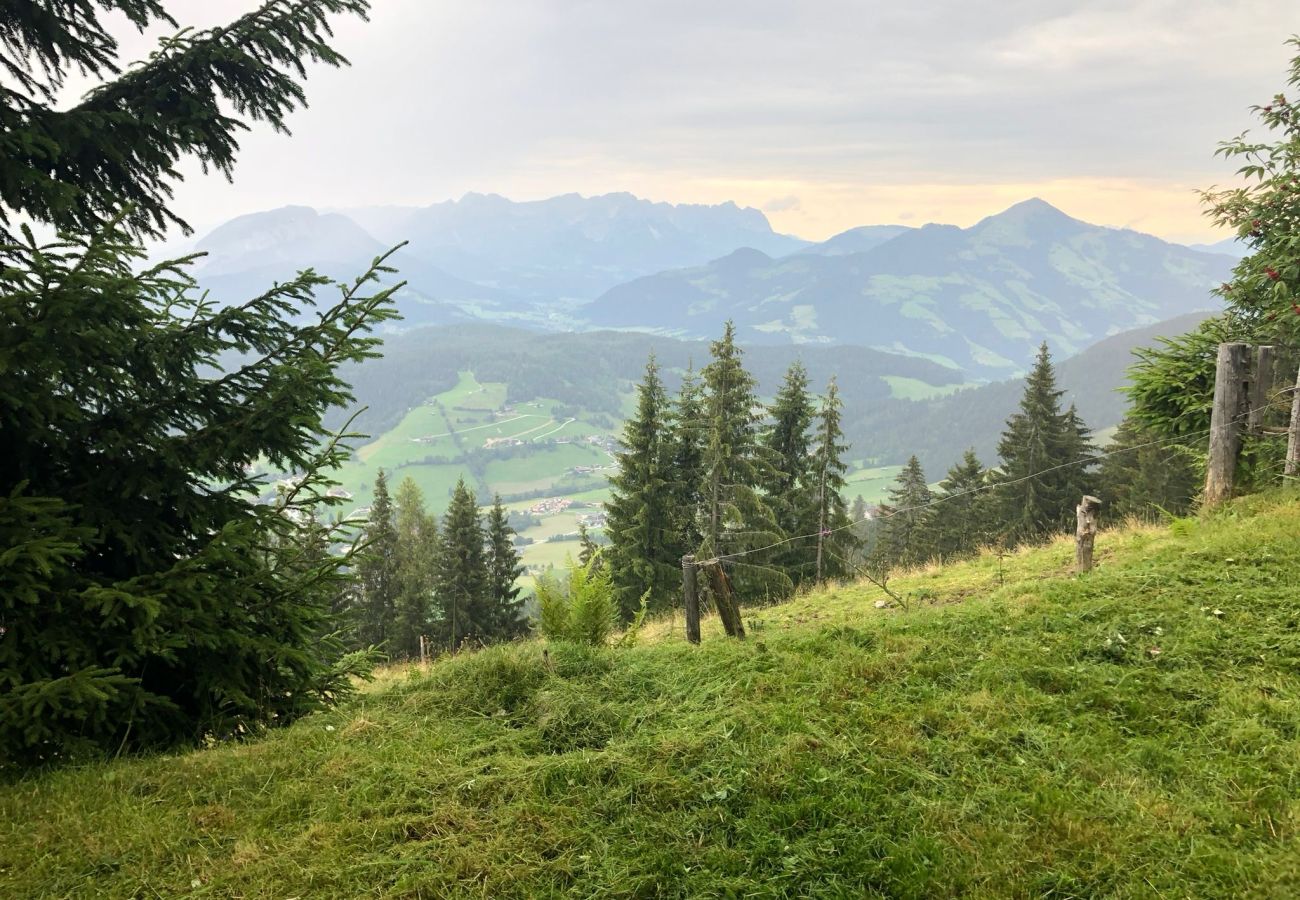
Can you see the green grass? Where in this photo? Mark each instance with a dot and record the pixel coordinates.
(1017, 732)
(872, 483)
(904, 388)
(475, 412)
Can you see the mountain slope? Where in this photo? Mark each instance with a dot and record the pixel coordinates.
(939, 430)
(1024, 732)
(570, 247)
(979, 298)
(246, 255)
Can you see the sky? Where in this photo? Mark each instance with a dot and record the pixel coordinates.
(825, 114)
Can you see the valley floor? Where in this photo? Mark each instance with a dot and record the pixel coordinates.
(1017, 731)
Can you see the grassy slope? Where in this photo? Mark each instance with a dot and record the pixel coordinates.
(1025, 741)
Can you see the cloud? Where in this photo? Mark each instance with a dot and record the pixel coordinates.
(854, 98)
(788, 203)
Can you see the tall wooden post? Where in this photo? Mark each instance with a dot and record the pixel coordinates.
(1261, 388)
(424, 650)
(1085, 532)
(1225, 425)
(1293, 434)
(690, 599)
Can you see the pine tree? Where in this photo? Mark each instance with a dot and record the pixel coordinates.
(503, 570)
(377, 570)
(1141, 477)
(687, 439)
(1079, 457)
(415, 549)
(117, 150)
(737, 517)
(789, 486)
(639, 512)
(958, 524)
(461, 575)
(835, 540)
(905, 538)
(1040, 481)
(148, 599)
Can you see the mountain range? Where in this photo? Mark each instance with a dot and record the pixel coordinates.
(977, 300)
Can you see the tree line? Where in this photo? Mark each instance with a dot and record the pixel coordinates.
(713, 472)
(453, 583)
(1048, 461)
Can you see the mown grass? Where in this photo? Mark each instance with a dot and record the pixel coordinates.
(1017, 732)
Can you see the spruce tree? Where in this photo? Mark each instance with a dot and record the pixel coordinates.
(1142, 477)
(737, 516)
(148, 597)
(461, 577)
(958, 524)
(415, 549)
(835, 540)
(686, 439)
(1040, 480)
(1080, 458)
(503, 571)
(790, 488)
(377, 569)
(116, 151)
(639, 512)
(905, 538)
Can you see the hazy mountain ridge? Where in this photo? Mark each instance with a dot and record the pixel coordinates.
(979, 298)
(570, 247)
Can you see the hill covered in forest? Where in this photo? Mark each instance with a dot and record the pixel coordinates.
(1016, 731)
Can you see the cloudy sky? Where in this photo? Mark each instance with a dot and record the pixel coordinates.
(824, 113)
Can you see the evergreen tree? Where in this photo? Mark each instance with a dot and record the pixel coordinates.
(147, 598)
(116, 151)
(687, 439)
(503, 571)
(415, 549)
(905, 538)
(959, 525)
(790, 488)
(1080, 457)
(1040, 483)
(1140, 477)
(737, 517)
(639, 512)
(835, 540)
(461, 575)
(377, 569)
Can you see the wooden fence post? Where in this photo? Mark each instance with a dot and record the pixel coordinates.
(1293, 434)
(690, 600)
(424, 650)
(725, 600)
(1261, 388)
(1085, 532)
(1225, 429)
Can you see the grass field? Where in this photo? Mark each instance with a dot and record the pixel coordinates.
(904, 388)
(1016, 732)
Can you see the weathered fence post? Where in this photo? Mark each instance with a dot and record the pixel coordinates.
(1261, 387)
(1085, 532)
(690, 600)
(1293, 434)
(424, 650)
(1225, 429)
(725, 600)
